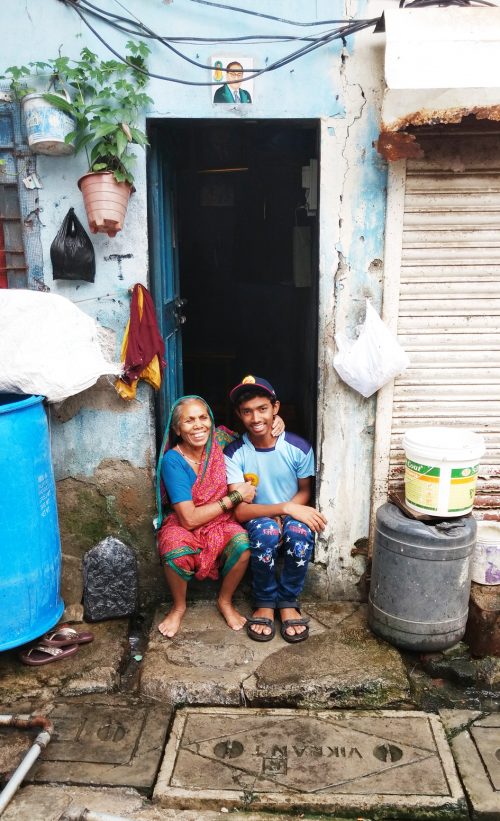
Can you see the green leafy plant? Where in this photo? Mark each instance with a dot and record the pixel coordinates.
(108, 98)
(17, 76)
(36, 72)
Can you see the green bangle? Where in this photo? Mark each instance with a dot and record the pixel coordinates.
(235, 497)
(222, 505)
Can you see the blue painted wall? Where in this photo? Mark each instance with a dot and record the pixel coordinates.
(338, 84)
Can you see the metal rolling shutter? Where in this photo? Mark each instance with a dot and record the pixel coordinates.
(449, 301)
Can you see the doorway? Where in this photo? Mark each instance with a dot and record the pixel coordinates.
(236, 212)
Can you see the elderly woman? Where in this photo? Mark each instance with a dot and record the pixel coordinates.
(199, 537)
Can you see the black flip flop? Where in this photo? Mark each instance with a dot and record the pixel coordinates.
(296, 637)
(260, 636)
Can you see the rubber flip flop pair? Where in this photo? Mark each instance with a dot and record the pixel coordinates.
(260, 636)
(57, 644)
(42, 654)
(64, 635)
(295, 637)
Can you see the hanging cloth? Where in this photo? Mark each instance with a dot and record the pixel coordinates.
(143, 348)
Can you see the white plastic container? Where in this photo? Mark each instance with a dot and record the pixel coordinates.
(47, 126)
(441, 470)
(486, 555)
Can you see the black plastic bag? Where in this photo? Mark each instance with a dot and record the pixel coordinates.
(71, 252)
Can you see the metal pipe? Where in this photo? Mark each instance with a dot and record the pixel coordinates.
(24, 722)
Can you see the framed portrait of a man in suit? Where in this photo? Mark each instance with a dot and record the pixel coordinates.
(231, 73)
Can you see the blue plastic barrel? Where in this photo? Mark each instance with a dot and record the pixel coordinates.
(30, 601)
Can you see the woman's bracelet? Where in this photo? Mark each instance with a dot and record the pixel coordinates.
(222, 505)
(235, 497)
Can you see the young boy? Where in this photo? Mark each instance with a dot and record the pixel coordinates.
(281, 469)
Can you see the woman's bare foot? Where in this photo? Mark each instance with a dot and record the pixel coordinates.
(171, 623)
(233, 618)
(262, 613)
(292, 613)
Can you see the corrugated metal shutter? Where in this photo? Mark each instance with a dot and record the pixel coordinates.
(449, 301)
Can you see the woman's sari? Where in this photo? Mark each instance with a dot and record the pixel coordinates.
(218, 542)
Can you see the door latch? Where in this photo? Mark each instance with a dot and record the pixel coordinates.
(179, 303)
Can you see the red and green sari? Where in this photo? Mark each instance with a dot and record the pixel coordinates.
(216, 545)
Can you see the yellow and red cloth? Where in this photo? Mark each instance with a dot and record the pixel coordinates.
(143, 348)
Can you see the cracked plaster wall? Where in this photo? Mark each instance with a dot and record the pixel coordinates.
(355, 183)
(340, 87)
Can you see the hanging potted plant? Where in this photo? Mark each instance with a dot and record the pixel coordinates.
(47, 126)
(107, 104)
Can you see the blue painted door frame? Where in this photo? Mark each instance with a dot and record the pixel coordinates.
(164, 268)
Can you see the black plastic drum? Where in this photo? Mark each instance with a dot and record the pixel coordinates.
(420, 583)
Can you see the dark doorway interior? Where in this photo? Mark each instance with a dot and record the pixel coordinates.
(248, 261)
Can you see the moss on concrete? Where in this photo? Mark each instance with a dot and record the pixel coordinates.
(83, 517)
(117, 500)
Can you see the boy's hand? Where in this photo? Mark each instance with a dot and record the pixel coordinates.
(308, 515)
(246, 489)
(278, 426)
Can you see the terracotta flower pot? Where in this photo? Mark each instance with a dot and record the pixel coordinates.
(105, 201)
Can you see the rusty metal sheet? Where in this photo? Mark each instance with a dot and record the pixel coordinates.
(395, 145)
(441, 66)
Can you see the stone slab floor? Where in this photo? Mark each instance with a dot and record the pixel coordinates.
(378, 734)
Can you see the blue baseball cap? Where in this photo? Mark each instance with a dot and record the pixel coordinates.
(249, 382)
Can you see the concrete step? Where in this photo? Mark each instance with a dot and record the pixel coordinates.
(356, 747)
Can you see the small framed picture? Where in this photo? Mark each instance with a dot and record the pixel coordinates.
(230, 72)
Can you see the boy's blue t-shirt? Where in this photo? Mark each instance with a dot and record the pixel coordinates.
(178, 477)
(276, 469)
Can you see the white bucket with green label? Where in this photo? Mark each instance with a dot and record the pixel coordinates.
(441, 470)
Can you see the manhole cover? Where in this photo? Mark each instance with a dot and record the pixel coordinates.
(312, 760)
(104, 744)
(487, 739)
(475, 741)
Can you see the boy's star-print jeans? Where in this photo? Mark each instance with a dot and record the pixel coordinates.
(297, 541)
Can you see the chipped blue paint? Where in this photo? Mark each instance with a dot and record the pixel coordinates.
(80, 444)
(310, 88)
(307, 88)
(367, 216)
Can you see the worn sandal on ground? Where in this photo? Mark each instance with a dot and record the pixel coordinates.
(296, 637)
(63, 635)
(260, 636)
(40, 654)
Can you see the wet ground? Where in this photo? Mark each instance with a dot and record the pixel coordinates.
(340, 726)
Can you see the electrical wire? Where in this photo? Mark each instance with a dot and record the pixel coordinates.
(422, 3)
(267, 16)
(139, 29)
(142, 28)
(248, 75)
(318, 42)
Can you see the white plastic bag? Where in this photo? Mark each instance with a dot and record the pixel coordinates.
(48, 346)
(371, 360)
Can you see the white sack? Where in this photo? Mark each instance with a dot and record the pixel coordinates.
(371, 360)
(48, 346)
